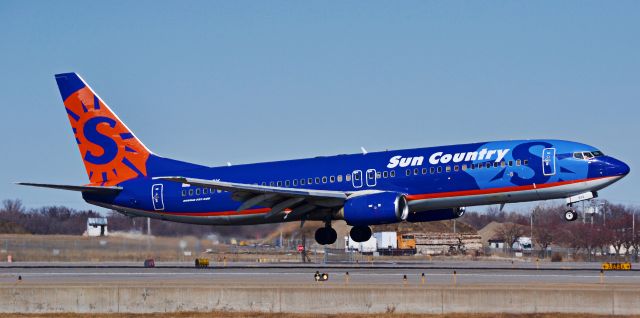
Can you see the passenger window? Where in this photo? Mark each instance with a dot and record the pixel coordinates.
(503, 164)
(347, 177)
(286, 183)
(184, 193)
(408, 172)
(456, 168)
(424, 170)
(264, 183)
(432, 170)
(324, 179)
(339, 178)
(480, 166)
(385, 174)
(295, 182)
(518, 162)
(439, 169)
(525, 162)
(190, 192)
(488, 165)
(205, 191)
(378, 175)
(464, 167)
(448, 168)
(392, 173)
(302, 181)
(416, 171)
(310, 181)
(198, 191)
(332, 179)
(271, 184)
(510, 163)
(279, 183)
(473, 166)
(317, 180)
(495, 165)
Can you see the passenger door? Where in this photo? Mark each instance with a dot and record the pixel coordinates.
(156, 196)
(549, 161)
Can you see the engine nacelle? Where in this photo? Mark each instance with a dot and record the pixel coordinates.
(375, 208)
(436, 215)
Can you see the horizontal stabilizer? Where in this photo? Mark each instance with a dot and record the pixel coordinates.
(93, 189)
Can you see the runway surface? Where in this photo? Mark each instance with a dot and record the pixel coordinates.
(278, 274)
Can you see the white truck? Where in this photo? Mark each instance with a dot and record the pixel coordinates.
(369, 246)
(522, 244)
(386, 240)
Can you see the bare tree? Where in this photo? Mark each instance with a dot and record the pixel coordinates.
(509, 232)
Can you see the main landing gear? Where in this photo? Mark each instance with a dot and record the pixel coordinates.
(360, 233)
(326, 235)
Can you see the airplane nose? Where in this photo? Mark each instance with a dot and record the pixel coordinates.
(617, 167)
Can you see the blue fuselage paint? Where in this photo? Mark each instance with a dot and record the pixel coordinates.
(476, 174)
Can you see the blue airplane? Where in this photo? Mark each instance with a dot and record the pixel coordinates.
(411, 185)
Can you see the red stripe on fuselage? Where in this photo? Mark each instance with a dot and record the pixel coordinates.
(413, 197)
(220, 213)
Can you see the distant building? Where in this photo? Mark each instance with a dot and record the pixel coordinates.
(97, 227)
(496, 243)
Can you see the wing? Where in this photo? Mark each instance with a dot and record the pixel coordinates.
(95, 189)
(299, 201)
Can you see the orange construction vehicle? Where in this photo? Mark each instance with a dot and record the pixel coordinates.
(406, 242)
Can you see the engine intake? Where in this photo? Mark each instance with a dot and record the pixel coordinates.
(375, 208)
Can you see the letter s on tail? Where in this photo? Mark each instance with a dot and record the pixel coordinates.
(110, 151)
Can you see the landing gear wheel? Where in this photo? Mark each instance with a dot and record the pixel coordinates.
(360, 233)
(326, 235)
(570, 215)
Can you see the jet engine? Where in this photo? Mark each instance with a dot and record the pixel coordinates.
(375, 208)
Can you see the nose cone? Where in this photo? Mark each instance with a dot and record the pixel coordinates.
(616, 167)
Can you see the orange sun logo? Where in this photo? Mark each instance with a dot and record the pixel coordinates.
(111, 153)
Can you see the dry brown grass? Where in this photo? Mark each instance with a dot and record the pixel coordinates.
(68, 248)
(290, 315)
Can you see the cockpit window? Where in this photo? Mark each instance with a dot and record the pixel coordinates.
(587, 154)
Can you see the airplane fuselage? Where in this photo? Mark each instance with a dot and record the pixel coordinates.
(431, 178)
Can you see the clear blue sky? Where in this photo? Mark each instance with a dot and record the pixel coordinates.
(250, 81)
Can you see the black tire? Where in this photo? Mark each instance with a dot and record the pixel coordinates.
(360, 233)
(321, 236)
(570, 215)
(332, 235)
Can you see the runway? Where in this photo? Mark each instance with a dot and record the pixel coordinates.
(252, 274)
(476, 287)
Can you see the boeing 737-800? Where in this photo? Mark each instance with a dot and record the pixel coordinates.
(411, 185)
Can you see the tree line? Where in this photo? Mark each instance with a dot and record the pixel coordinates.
(611, 228)
(47, 220)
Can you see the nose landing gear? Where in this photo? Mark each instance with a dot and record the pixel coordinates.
(570, 215)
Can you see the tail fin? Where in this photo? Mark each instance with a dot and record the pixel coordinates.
(110, 151)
